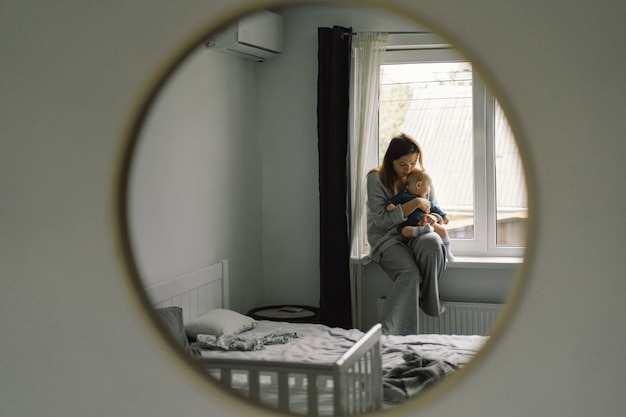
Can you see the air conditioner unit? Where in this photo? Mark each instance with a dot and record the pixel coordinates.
(258, 36)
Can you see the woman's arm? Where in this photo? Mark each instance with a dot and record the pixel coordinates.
(412, 205)
(377, 199)
(409, 203)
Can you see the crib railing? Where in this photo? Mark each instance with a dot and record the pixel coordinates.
(359, 372)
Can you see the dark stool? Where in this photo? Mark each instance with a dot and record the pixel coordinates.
(289, 313)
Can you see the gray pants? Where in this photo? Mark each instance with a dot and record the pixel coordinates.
(415, 269)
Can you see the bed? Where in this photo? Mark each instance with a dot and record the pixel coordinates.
(302, 368)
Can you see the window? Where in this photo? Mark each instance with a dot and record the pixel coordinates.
(431, 93)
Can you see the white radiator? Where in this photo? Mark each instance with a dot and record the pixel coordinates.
(459, 318)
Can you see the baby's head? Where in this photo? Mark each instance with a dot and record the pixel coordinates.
(419, 182)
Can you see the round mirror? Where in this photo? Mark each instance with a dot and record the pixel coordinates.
(230, 204)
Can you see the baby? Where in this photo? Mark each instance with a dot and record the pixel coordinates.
(419, 183)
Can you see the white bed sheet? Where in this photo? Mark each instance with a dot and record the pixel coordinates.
(318, 343)
(315, 343)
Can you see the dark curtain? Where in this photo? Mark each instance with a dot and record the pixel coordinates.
(334, 45)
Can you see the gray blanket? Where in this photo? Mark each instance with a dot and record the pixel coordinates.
(413, 376)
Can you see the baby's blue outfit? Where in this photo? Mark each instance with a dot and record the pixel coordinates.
(414, 218)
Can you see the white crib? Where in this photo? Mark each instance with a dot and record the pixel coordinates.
(349, 385)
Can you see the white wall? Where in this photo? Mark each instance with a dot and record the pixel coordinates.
(224, 128)
(226, 147)
(194, 179)
(288, 139)
(75, 340)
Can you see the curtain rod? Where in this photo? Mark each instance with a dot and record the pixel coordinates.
(399, 43)
(353, 33)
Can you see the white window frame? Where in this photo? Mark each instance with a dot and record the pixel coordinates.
(423, 48)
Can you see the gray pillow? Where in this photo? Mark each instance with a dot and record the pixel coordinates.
(172, 317)
(218, 322)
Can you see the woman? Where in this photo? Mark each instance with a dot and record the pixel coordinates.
(413, 265)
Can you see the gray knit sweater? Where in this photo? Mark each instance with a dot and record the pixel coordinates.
(382, 230)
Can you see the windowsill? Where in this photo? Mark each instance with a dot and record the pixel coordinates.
(485, 262)
(466, 261)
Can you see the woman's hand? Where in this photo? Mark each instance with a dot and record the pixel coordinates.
(428, 219)
(422, 204)
(412, 205)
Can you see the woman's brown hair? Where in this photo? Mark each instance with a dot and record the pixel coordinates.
(399, 146)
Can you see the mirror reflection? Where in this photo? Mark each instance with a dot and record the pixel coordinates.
(238, 191)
